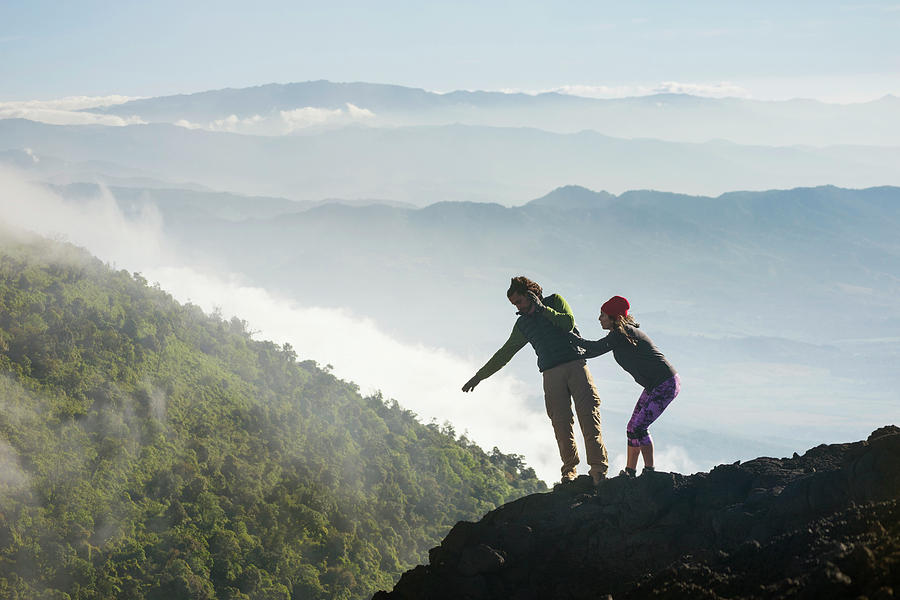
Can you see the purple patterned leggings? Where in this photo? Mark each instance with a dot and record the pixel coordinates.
(649, 406)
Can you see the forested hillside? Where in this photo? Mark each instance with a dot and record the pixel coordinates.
(148, 450)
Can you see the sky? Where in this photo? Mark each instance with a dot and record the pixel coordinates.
(837, 51)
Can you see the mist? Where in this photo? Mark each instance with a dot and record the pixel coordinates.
(422, 378)
(12, 476)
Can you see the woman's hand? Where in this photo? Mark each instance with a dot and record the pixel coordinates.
(576, 340)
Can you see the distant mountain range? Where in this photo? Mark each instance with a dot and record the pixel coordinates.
(741, 249)
(316, 140)
(675, 117)
(424, 165)
(186, 208)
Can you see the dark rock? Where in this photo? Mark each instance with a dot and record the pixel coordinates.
(458, 536)
(583, 484)
(480, 559)
(883, 432)
(822, 525)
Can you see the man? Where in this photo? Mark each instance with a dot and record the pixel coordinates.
(545, 323)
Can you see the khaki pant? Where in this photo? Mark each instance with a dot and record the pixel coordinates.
(562, 384)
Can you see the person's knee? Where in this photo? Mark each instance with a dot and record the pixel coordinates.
(560, 417)
(638, 437)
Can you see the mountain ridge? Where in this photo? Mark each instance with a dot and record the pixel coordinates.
(326, 87)
(671, 116)
(426, 164)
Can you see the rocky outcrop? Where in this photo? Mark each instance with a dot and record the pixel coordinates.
(822, 525)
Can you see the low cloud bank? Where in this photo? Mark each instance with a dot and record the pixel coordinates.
(722, 89)
(68, 111)
(286, 121)
(70, 102)
(424, 379)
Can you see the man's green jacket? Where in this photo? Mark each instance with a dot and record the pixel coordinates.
(546, 330)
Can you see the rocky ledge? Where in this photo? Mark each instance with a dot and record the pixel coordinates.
(822, 525)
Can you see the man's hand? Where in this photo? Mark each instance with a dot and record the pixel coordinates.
(536, 305)
(470, 384)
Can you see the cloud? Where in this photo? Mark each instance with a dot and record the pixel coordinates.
(68, 111)
(286, 121)
(300, 118)
(233, 124)
(711, 90)
(70, 102)
(851, 89)
(722, 89)
(425, 379)
(97, 224)
(359, 114)
(188, 124)
(67, 117)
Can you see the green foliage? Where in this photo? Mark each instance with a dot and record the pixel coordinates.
(148, 450)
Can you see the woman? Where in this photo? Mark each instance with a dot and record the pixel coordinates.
(635, 353)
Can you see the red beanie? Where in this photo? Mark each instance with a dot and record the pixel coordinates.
(617, 306)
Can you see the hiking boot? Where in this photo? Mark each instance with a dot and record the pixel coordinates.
(564, 482)
(628, 473)
(582, 484)
(648, 471)
(568, 477)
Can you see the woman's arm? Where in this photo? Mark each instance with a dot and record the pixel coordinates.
(594, 348)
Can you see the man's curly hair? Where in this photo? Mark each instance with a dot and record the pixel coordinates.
(522, 285)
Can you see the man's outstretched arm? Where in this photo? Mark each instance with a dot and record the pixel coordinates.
(502, 356)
